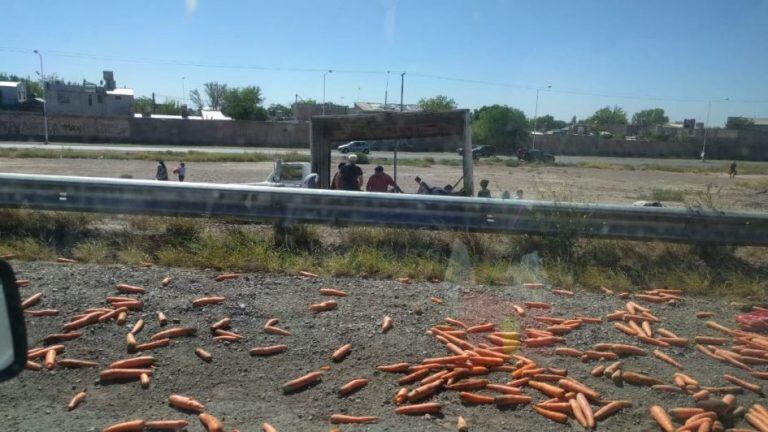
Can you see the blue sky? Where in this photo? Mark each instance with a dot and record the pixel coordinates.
(671, 54)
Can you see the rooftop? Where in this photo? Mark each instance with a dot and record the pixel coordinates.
(377, 106)
(121, 92)
(9, 83)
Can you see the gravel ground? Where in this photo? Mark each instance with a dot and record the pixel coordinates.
(244, 391)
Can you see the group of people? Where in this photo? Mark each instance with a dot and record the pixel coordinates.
(350, 177)
(162, 171)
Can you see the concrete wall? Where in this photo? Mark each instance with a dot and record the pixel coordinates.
(748, 146)
(29, 126)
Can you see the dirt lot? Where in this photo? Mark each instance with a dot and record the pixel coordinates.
(244, 391)
(541, 182)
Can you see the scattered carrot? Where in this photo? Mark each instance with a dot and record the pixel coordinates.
(607, 410)
(30, 365)
(563, 292)
(121, 317)
(637, 378)
(41, 312)
(386, 324)
(547, 389)
(323, 306)
(154, 344)
(586, 409)
(276, 330)
(31, 300)
(302, 381)
(537, 305)
(436, 300)
(203, 301)
(221, 324)
(162, 319)
(166, 424)
(343, 418)
(50, 359)
(333, 292)
(120, 374)
(396, 367)
(461, 424)
(137, 327)
(76, 400)
(111, 314)
(342, 352)
(577, 387)
(211, 423)
(185, 403)
(551, 415)
(129, 426)
(665, 358)
(353, 386)
(474, 398)
(754, 388)
(144, 379)
(661, 417)
(268, 427)
(204, 355)
(512, 399)
(173, 332)
(58, 337)
(76, 363)
(481, 328)
(308, 274)
(455, 322)
(226, 276)
(533, 285)
(66, 260)
(134, 362)
(130, 289)
(419, 409)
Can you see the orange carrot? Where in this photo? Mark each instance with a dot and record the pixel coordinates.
(547, 389)
(302, 381)
(111, 314)
(130, 289)
(424, 391)
(65, 260)
(161, 318)
(30, 365)
(573, 404)
(119, 374)
(551, 415)
(709, 340)
(396, 367)
(470, 384)
(40, 352)
(129, 426)
(166, 424)
(32, 300)
(754, 388)
(415, 376)
(668, 359)
(221, 324)
(82, 322)
(130, 342)
(173, 332)
(512, 399)
(586, 410)
(134, 362)
(543, 341)
(21, 282)
(481, 328)
(474, 398)
(436, 300)
(537, 305)
(211, 423)
(607, 410)
(342, 352)
(185, 403)
(419, 409)
(276, 330)
(204, 355)
(203, 301)
(268, 427)
(461, 424)
(323, 306)
(144, 379)
(75, 363)
(343, 418)
(154, 344)
(386, 324)
(486, 361)
(228, 333)
(577, 387)
(268, 350)
(76, 400)
(352, 386)
(166, 281)
(684, 413)
(137, 327)
(455, 322)
(661, 417)
(41, 312)
(50, 359)
(637, 378)
(563, 292)
(226, 276)
(401, 396)
(333, 292)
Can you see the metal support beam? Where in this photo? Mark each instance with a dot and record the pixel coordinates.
(287, 206)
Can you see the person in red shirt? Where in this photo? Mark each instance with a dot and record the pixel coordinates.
(380, 181)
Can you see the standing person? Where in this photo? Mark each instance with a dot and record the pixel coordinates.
(162, 171)
(732, 169)
(350, 175)
(381, 181)
(484, 192)
(336, 183)
(181, 171)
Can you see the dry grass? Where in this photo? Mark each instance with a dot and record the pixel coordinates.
(188, 156)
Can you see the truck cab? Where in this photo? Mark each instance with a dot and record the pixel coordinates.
(290, 174)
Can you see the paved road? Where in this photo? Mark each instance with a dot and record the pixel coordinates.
(378, 154)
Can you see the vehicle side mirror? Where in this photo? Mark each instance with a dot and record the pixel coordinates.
(13, 332)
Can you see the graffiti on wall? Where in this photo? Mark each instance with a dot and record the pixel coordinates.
(16, 125)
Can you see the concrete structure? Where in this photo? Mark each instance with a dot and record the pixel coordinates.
(305, 111)
(373, 107)
(12, 94)
(758, 123)
(89, 99)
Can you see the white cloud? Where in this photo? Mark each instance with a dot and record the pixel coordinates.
(191, 6)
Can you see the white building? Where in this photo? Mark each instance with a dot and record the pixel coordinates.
(89, 99)
(12, 93)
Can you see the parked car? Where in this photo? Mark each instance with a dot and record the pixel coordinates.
(480, 151)
(355, 147)
(535, 155)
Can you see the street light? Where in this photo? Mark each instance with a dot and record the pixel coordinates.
(706, 125)
(324, 74)
(536, 114)
(386, 89)
(45, 110)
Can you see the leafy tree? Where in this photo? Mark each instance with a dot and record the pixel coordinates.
(197, 99)
(547, 123)
(244, 104)
(647, 119)
(34, 88)
(741, 123)
(309, 101)
(504, 127)
(143, 104)
(607, 116)
(215, 93)
(280, 111)
(169, 107)
(437, 103)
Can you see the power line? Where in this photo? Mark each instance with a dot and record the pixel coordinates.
(89, 56)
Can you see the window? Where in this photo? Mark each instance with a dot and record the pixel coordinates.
(62, 98)
(90, 100)
(99, 99)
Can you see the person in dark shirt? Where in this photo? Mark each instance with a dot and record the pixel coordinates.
(381, 181)
(484, 192)
(732, 170)
(336, 183)
(350, 175)
(162, 171)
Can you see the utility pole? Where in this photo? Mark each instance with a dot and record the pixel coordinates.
(397, 142)
(183, 90)
(45, 102)
(706, 126)
(402, 86)
(324, 74)
(536, 114)
(386, 89)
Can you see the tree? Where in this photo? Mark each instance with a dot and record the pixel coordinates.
(197, 99)
(501, 126)
(607, 116)
(280, 111)
(573, 121)
(437, 103)
(649, 118)
(547, 123)
(244, 104)
(143, 105)
(741, 123)
(34, 88)
(215, 93)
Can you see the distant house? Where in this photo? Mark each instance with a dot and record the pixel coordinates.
(372, 107)
(209, 114)
(88, 98)
(12, 94)
(305, 111)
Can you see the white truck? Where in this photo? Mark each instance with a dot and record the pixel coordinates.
(290, 174)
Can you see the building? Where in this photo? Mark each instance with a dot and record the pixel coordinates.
(12, 94)
(371, 107)
(89, 99)
(305, 111)
(758, 123)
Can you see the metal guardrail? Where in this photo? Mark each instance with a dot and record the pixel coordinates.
(287, 206)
